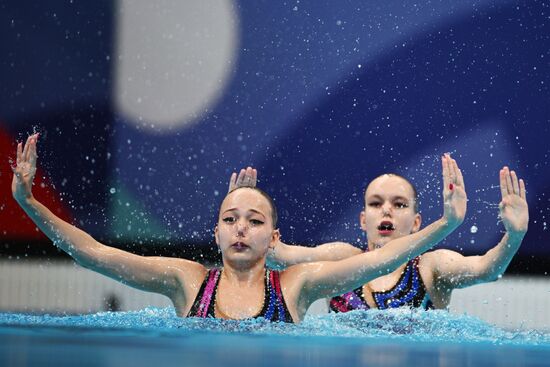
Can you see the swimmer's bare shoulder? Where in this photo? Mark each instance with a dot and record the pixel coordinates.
(294, 288)
(445, 270)
(449, 267)
(189, 276)
(178, 279)
(431, 259)
(438, 288)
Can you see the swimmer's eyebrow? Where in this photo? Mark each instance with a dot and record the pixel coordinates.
(398, 197)
(250, 210)
(378, 197)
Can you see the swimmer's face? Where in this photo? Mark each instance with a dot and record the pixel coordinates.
(389, 210)
(245, 230)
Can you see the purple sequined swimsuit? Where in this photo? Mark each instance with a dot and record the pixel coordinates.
(274, 304)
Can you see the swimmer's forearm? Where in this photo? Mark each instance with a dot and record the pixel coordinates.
(403, 249)
(400, 250)
(286, 255)
(64, 235)
(283, 255)
(496, 260)
(332, 278)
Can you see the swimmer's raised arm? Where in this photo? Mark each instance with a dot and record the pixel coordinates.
(332, 278)
(154, 274)
(456, 271)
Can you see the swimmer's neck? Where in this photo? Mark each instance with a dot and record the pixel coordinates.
(244, 275)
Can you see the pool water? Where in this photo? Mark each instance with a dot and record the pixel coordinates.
(157, 337)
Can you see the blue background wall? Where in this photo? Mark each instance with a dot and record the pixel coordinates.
(321, 99)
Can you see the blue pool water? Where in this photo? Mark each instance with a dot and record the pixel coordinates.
(157, 337)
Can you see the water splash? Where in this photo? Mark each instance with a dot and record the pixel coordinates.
(399, 324)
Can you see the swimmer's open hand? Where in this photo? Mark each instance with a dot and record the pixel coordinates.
(247, 178)
(513, 207)
(454, 192)
(25, 169)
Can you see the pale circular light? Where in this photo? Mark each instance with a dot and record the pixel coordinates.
(173, 59)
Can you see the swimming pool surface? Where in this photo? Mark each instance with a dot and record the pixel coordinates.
(156, 337)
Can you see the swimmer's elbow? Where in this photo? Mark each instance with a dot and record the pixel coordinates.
(90, 257)
(490, 272)
(492, 277)
(275, 265)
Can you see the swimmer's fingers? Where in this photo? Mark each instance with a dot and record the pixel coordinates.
(232, 182)
(515, 183)
(458, 174)
(247, 177)
(32, 152)
(509, 185)
(461, 178)
(241, 178)
(19, 158)
(26, 150)
(522, 189)
(238, 181)
(445, 170)
(452, 174)
(253, 177)
(503, 185)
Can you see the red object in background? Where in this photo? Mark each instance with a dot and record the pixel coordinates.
(14, 223)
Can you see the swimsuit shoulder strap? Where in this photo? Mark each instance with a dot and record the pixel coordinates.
(275, 308)
(409, 289)
(202, 307)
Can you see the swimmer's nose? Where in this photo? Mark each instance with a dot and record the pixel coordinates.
(387, 209)
(241, 228)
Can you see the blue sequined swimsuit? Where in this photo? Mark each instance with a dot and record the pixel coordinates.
(409, 291)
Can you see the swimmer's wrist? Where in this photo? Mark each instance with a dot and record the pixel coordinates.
(445, 224)
(278, 249)
(25, 201)
(278, 254)
(516, 236)
(452, 222)
(271, 251)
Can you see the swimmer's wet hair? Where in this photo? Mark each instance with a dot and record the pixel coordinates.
(274, 216)
(415, 193)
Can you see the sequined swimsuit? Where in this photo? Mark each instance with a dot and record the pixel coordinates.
(274, 309)
(409, 291)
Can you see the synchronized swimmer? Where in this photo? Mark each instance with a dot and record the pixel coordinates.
(427, 281)
(246, 230)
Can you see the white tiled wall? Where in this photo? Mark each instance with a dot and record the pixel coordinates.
(33, 286)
